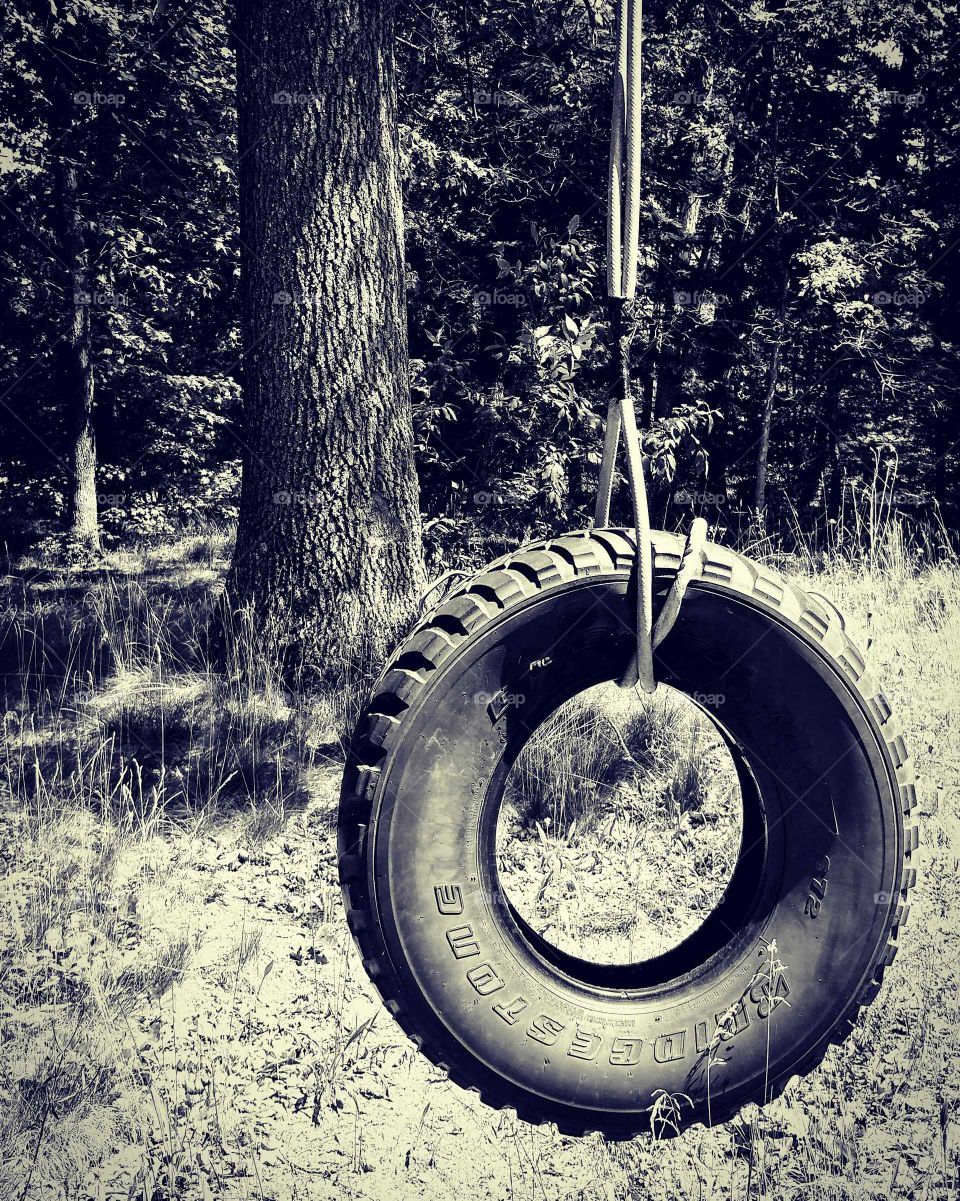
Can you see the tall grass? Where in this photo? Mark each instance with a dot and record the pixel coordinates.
(876, 529)
(621, 824)
(603, 746)
(139, 782)
(124, 740)
(115, 703)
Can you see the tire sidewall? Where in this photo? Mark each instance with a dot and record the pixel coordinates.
(760, 1009)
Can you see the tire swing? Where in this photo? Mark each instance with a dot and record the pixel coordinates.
(810, 917)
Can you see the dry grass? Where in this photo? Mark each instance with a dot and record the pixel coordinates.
(621, 824)
(183, 1011)
(124, 751)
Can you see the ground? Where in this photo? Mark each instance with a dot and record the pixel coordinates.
(182, 1009)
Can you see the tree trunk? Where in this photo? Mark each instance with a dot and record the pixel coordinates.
(328, 561)
(773, 374)
(81, 513)
(763, 451)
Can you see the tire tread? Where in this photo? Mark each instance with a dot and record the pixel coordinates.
(513, 579)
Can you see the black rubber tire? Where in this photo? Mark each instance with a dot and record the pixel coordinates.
(823, 873)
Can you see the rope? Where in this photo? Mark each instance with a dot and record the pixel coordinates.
(623, 244)
(631, 236)
(615, 168)
(691, 568)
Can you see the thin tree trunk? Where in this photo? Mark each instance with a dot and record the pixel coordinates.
(763, 452)
(773, 373)
(328, 560)
(836, 483)
(81, 513)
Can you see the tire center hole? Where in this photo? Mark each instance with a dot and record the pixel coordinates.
(620, 825)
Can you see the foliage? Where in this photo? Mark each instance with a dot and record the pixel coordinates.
(137, 100)
(791, 165)
(797, 166)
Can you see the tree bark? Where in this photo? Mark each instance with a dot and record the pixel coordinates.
(328, 561)
(77, 360)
